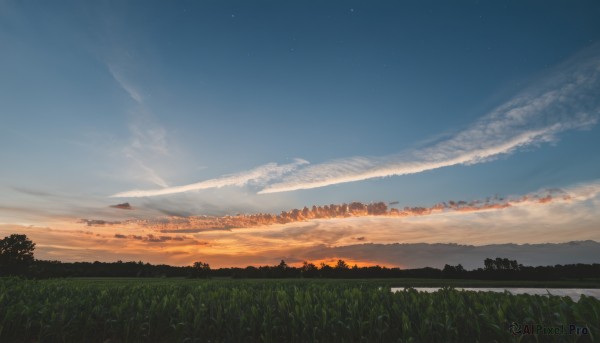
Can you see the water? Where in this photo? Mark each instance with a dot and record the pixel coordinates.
(574, 293)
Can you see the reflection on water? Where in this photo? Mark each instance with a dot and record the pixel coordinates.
(574, 293)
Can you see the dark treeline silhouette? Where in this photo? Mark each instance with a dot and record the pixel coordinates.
(16, 258)
(49, 269)
(505, 269)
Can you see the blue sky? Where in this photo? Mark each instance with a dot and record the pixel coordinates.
(105, 98)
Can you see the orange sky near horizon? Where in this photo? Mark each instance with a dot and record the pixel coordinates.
(526, 220)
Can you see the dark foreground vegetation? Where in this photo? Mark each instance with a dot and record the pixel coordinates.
(183, 310)
(131, 302)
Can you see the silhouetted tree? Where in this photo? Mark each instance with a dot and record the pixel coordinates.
(200, 270)
(280, 270)
(514, 265)
(341, 265)
(309, 270)
(16, 254)
(448, 269)
(453, 271)
(326, 270)
(341, 269)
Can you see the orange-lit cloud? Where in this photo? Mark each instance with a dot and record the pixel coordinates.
(158, 238)
(197, 224)
(361, 233)
(98, 222)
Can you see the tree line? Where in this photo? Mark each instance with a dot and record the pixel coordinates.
(16, 258)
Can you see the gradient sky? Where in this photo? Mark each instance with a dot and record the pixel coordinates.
(193, 108)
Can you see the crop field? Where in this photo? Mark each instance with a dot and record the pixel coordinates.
(280, 311)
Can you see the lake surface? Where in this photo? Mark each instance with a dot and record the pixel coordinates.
(574, 293)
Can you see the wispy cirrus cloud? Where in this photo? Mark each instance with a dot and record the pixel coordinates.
(565, 100)
(125, 84)
(258, 176)
(146, 172)
(148, 139)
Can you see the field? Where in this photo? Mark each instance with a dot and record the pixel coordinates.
(167, 310)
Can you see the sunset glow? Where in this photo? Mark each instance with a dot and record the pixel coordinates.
(236, 136)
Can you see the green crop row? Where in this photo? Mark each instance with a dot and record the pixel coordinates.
(272, 311)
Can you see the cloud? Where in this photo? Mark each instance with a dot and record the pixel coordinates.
(150, 238)
(452, 233)
(98, 222)
(148, 143)
(149, 174)
(174, 213)
(148, 140)
(122, 81)
(184, 222)
(123, 206)
(258, 176)
(198, 230)
(585, 191)
(33, 192)
(148, 136)
(565, 100)
(313, 233)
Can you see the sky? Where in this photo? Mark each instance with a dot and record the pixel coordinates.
(148, 130)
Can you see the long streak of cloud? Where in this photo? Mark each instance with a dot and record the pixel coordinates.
(127, 87)
(566, 100)
(258, 175)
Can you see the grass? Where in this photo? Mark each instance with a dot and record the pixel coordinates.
(180, 310)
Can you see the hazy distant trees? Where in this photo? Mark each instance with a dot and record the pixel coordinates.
(501, 264)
